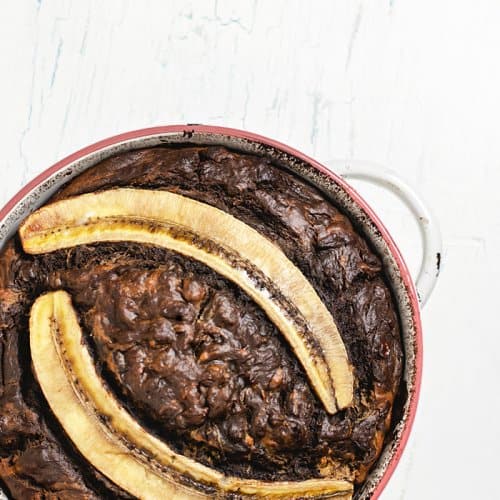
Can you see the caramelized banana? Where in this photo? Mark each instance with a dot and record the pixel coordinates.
(112, 440)
(224, 243)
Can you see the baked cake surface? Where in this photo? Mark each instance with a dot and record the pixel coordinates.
(189, 354)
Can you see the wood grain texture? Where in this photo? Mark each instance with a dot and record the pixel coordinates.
(412, 85)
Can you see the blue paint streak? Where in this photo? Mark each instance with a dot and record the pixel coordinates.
(56, 63)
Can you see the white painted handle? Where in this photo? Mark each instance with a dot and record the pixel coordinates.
(429, 227)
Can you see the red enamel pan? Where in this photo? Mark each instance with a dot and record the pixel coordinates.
(409, 295)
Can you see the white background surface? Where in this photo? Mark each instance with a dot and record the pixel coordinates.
(413, 85)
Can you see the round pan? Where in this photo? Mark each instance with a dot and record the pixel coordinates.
(40, 189)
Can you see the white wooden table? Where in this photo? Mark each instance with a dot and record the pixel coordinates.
(412, 85)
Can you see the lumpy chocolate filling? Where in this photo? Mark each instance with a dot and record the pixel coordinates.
(187, 352)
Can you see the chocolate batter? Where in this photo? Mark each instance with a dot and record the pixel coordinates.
(190, 354)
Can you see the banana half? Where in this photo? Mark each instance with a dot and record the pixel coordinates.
(111, 439)
(225, 244)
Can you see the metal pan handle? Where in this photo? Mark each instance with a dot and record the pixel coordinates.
(427, 223)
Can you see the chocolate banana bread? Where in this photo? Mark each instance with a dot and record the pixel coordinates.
(190, 354)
